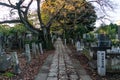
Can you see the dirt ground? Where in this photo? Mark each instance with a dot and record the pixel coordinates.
(28, 72)
(93, 73)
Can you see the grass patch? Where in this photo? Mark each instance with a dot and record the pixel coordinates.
(8, 74)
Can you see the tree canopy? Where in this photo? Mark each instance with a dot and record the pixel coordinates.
(66, 13)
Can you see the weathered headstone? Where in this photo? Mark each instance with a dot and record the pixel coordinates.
(27, 53)
(5, 62)
(119, 32)
(65, 42)
(40, 46)
(116, 36)
(82, 45)
(15, 63)
(93, 45)
(52, 39)
(72, 41)
(78, 46)
(101, 63)
(37, 49)
(84, 36)
(0, 49)
(34, 50)
(0, 44)
(96, 35)
(103, 40)
(91, 53)
(10, 37)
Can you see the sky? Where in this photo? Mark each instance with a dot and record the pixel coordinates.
(114, 16)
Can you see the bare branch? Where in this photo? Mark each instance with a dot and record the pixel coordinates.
(10, 21)
(27, 8)
(7, 5)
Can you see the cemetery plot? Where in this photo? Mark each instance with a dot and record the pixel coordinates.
(25, 71)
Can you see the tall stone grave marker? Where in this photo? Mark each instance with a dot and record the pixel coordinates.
(15, 63)
(65, 42)
(37, 49)
(5, 62)
(119, 32)
(0, 44)
(41, 50)
(34, 49)
(78, 46)
(72, 41)
(27, 53)
(101, 63)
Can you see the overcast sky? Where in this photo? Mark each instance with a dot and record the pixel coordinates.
(113, 15)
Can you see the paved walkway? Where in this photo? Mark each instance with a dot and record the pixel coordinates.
(61, 67)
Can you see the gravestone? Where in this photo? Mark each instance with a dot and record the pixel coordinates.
(84, 36)
(78, 46)
(101, 63)
(91, 53)
(65, 42)
(5, 62)
(93, 45)
(72, 41)
(119, 32)
(37, 49)
(34, 49)
(52, 40)
(116, 36)
(40, 46)
(82, 45)
(0, 44)
(0, 49)
(15, 63)
(27, 53)
(103, 40)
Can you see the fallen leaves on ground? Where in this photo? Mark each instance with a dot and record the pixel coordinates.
(29, 71)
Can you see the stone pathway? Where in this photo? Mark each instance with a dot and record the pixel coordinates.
(61, 67)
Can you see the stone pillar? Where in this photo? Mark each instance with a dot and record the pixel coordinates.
(65, 42)
(52, 40)
(34, 49)
(119, 32)
(27, 53)
(37, 49)
(15, 62)
(101, 63)
(0, 45)
(78, 46)
(72, 41)
(40, 46)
